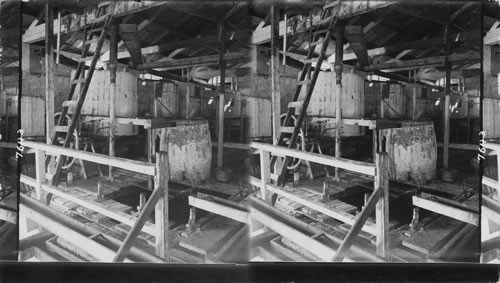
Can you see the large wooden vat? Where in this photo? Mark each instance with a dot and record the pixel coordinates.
(394, 106)
(491, 117)
(322, 102)
(33, 116)
(189, 150)
(412, 151)
(126, 101)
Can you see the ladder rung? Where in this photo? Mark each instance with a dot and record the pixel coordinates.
(93, 40)
(95, 30)
(287, 129)
(295, 104)
(309, 61)
(69, 103)
(84, 59)
(318, 42)
(62, 129)
(325, 21)
(322, 31)
(79, 81)
(103, 4)
(273, 176)
(304, 82)
(99, 19)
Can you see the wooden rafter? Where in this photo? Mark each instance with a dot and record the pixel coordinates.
(195, 61)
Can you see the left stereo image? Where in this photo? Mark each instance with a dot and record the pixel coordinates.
(9, 90)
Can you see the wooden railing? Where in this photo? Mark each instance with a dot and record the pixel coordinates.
(158, 199)
(379, 199)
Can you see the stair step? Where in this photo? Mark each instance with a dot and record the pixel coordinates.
(303, 82)
(318, 42)
(287, 129)
(100, 18)
(295, 104)
(84, 59)
(79, 81)
(69, 103)
(95, 30)
(321, 31)
(62, 129)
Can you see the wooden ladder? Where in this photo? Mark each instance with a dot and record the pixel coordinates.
(307, 78)
(72, 107)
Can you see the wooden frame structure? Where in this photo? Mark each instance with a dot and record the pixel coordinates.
(158, 200)
(490, 210)
(379, 199)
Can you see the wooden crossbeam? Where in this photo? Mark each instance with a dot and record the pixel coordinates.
(447, 210)
(221, 207)
(355, 37)
(129, 34)
(432, 61)
(195, 61)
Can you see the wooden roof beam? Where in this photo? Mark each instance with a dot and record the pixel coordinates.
(425, 62)
(74, 22)
(196, 61)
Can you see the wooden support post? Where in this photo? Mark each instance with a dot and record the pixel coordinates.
(222, 67)
(157, 194)
(49, 72)
(339, 49)
(382, 206)
(275, 73)
(446, 108)
(284, 37)
(414, 103)
(161, 211)
(40, 172)
(265, 172)
(358, 224)
(58, 36)
(467, 104)
(113, 54)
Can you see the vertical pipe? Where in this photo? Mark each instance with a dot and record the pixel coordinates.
(113, 55)
(446, 108)
(339, 49)
(275, 73)
(49, 72)
(222, 67)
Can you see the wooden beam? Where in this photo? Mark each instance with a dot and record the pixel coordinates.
(351, 165)
(113, 51)
(446, 105)
(127, 164)
(129, 34)
(216, 205)
(418, 13)
(137, 227)
(275, 74)
(431, 61)
(492, 37)
(447, 210)
(358, 224)
(356, 38)
(161, 209)
(49, 74)
(74, 21)
(339, 49)
(382, 206)
(196, 61)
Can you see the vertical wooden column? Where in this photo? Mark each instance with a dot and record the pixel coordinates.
(49, 72)
(414, 103)
(275, 73)
(339, 50)
(222, 67)
(161, 209)
(265, 172)
(40, 172)
(382, 206)
(113, 55)
(446, 106)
